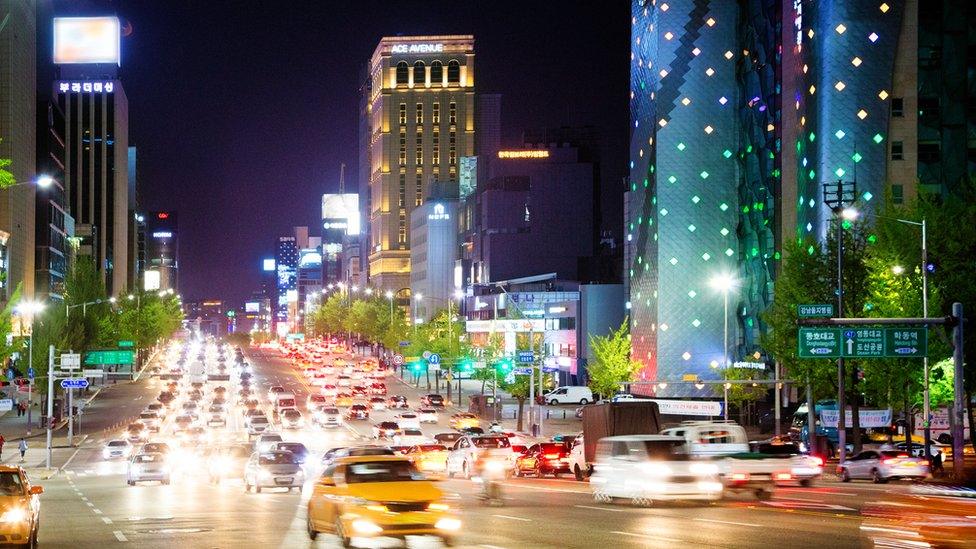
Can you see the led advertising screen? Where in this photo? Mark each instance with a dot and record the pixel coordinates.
(468, 176)
(252, 307)
(341, 211)
(151, 280)
(268, 265)
(79, 40)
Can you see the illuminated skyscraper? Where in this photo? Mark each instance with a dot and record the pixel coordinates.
(418, 121)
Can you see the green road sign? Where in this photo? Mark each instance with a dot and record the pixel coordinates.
(127, 344)
(906, 342)
(819, 343)
(820, 310)
(99, 358)
(863, 342)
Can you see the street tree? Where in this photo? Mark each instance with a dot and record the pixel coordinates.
(7, 179)
(612, 364)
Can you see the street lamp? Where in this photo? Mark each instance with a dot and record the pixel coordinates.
(724, 283)
(898, 269)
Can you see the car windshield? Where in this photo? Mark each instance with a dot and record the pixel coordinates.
(117, 443)
(661, 449)
(382, 471)
(435, 398)
(431, 447)
(491, 442)
(147, 458)
(892, 454)
(277, 458)
(330, 410)
(408, 416)
(10, 484)
(358, 407)
(413, 432)
(370, 451)
(552, 447)
(292, 413)
(155, 447)
(388, 425)
(427, 411)
(778, 449)
(258, 420)
(296, 448)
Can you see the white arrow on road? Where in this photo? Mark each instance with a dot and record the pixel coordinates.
(850, 346)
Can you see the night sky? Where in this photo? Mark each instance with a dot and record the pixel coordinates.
(243, 111)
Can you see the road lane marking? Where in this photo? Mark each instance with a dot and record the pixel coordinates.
(106, 520)
(521, 519)
(655, 538)
(120, 536)
(601, 508)
(90, 504)
(83, 498)
(732, 522)
(97, 511)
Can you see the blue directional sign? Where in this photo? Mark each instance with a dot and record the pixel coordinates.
(526, 357)
(404, 343)
(522, 371)
(434, 358)
(74, 383)
(30, 373)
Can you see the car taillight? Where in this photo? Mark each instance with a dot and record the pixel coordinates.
(817, 460)
(740, 477)
(783, 476)
(551, 456)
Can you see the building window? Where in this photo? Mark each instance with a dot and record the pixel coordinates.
(419, 199)
(898, 194)
(452, 150)
(928, 107)
(929, 153)
(420, 147)
(453, 113)
(436, 153)
(453, 72)
(403, 114)
(419, 76)
(437, 73)
(402, 198)
(897, 150)
(437, 113)
(420, 114)
(402, 229)
(403, 146)
(402, 73)
(897, 106)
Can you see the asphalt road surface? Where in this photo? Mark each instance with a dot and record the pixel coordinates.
(90, 505)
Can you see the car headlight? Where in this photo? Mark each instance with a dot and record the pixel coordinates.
(448, 524)
(362, 526)
(656, 469)
(709, 486)
(15, 514)
(704, 468)
(438, 507)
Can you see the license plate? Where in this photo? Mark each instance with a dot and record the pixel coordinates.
(283, 480)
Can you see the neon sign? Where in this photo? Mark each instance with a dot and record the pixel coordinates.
(439, 213)
(524, 154)
(78, 87)
(417, 48)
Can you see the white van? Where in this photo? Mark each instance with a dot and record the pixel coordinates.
(711, 438)
(569, 394)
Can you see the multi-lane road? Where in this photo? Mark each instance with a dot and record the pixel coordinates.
(90, 505)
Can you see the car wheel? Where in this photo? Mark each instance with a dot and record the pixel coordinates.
(450, 474)
(312, 533)
(553, 402)
(464, 470)
(764, 495)
(578, 473)
(806, 483)
(447, 541)
(32, 541)
(130, 482)
(341, 534)
(555, 474)
(537, 473)
(584, 402)
(877, 478)
(845, 476)
(166, 482)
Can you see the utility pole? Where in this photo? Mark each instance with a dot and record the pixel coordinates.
(959, 397)
(50, 401)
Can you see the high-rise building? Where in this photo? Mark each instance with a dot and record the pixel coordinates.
(53, 225)
(285, 302)
(341, 226)
(136, 234)
(17, 143)
(434, 252)
(488, 120)
(418, 121)
(163, 248)
(96, 113)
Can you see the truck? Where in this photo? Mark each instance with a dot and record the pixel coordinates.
(607, 419)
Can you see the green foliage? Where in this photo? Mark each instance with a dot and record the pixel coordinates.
(6, 327)
(740, 393)
(7, 179)
(612, 363)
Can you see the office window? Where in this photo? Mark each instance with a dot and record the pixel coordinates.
(929, 153)
(453, 113)
(402, 198)
(402, 73)
(403, 114)
(420, 114)
(403, 146)
(898, 194)
(419, 199)
(420, 147)
(419, 76)
(452, 151)
(402, 229)
(437, 113)
(437, 73)
(436, 153)
(897, 150)
(928, 107)
(897, 106)
(453, 72)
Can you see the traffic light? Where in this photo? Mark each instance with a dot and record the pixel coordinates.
(416, 366)
(466, 365)
(504, 366)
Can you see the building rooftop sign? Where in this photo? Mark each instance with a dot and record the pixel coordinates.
(417, 48)
(526, 153)
(87, 40)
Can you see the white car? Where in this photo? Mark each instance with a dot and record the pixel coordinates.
(427, 415)
(328, 416)
(410, 437)
(343, 381)
(266, 441)
(408, 420)
(329, 390)
(147, 467)
(257, 425)
(466, 450)
(882, 466)
(118, 448)
(314, 401)
(569, 394)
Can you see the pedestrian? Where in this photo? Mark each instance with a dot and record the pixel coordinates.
(2, 440)
(19, 409)
(937, 462)
(23, 449)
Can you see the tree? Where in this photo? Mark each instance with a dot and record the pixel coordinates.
(84, 284)
(6, 327)
(519, 389)
(330, 316)
(612, 364)
(741, 393)
(7, 179)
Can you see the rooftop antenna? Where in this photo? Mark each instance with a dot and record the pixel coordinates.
(342, 178)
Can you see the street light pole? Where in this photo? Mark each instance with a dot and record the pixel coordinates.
(725, 354)
(927, 410)
(50, 400)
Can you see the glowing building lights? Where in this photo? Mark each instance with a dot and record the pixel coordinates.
(883, 95)
(668, 35)
(709, 130)
(839, 86)
(839, 172)
(686, 101)
(862, 114)
(884, 7)
(840, 28)
(663, 73)
(873, 37)
(696, 323)
(706, 256)
(709, 71)
(710, 22)
(840, 134)
(877, 138)
(528, 153)
(856, 61)
(696, 52)
(704, 174)
(723, 100)
(728, 55)
(673, 261)
(686, 355)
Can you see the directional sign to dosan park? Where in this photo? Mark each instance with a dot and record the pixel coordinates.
(863, 342)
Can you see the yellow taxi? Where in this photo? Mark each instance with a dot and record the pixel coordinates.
(378, 496)
(463, 420)
(429, 458)
(20, 507)
(343, 399)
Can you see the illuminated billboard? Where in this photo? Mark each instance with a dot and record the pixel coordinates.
(341, 211)
(151, 280)
(252, 307)
(81, 40)
(468, 176)
(268, 265)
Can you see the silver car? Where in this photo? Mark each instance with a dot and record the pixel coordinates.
(882, 466)
(273, 469)
(257, 425)
(146, 468)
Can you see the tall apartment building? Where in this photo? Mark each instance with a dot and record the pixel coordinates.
(418, 121)
(17, 143)
(53, 225)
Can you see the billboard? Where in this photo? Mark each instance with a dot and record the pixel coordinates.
(252, 307)
(80, 40)
(341, 211)
(468, 176)
(151, 280)
(268, 265)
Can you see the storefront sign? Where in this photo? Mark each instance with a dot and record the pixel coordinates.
(506, 325)
(868, 418)
(705, 408)
(91, 87)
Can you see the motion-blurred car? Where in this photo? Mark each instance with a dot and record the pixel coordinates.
(386, 430)
(292, 419)
(918, 449)
(314, 401)
(359, 391)
(329, 390)
(228, 462)
(429, 457)
(547, 458)
(216, 417)
(468, 449)
(882, 466)
(192, 437)
(377, 403)
(136, 433)
(20, 506)
(329, 457)
(447, 439)
(427, 415)
(397, 401)
(378, 497)
(297, 448)
(329, 416)
(147, 468)
(273, 469)
(155, 448)
(344, 400)
(265, 441)
(410, 437)
(432, 400)
(116, 449)
(461, 420)
(408, 420)
(273, 392)
(257, 425)
(378, 389)
(357, 411)
(151, 420)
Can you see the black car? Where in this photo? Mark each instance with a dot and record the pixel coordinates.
(436, 401)
(358, 411)
(397, 401)
(296, 448)
(473, 431)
